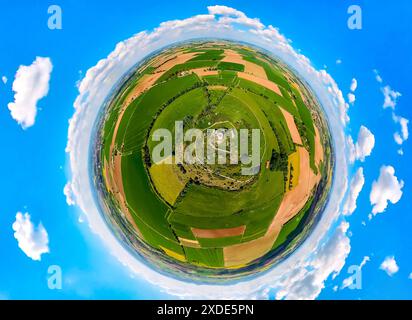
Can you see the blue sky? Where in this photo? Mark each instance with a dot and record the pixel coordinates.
(36, 165)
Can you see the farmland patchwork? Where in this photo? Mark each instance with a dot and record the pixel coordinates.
(213, 158)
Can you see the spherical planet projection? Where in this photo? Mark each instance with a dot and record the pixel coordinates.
(212, 160)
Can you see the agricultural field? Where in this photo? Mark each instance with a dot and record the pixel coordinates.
(210, 215)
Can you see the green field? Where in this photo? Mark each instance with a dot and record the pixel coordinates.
(231, 66)
(172, 72)
(212, 55)
(224, 78)
(140, 195)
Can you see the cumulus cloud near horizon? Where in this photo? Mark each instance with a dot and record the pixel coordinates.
(303, 274)
(68, 192)
(329, 260)
(389, 265)
(31, 83)
(32, 240)
(386, 189)
(356, 186)
(363, 146)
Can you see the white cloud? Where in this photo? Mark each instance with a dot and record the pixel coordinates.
(338, 61)
(386, 188)
(389, 265)
(224, 10)
(4, 79)
(390, 101)
(404, 128)
(400, 152)
(33, 241)
(231, 15)
(401, 137)
(378, 78)
(390, 97)
(301, 275)
(353, 85)
(351, 98)
(410, 276)
(329, 260)
(68, 192)
(365, 143)
(355, 188)
(397, 137)
(351, 149)
(347, 282)
(363, 147)
(351, 95)
(31, 83)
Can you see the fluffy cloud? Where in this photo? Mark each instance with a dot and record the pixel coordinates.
(410, 276)
(351, 98)
(338, 61)
(4, 79)
(390, 97)
(33, 241)
(353, 85)
(355, 188)
(397, 137)
(347, 282)
(363, 147)
(302, 274)
(231, 15)
(329, 260)
(389, 265)
(403, 135)
(68, 192)
(386, 188)
(31, 83)
(390, 101)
